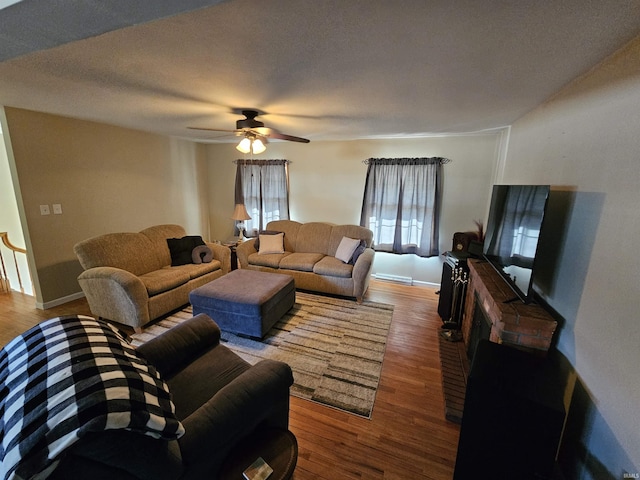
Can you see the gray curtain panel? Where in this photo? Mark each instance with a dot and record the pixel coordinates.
(263, 187)
(401, 204)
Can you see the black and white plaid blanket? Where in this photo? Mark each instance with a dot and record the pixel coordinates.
(68, 376)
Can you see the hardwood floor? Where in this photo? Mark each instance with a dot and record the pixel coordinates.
(407, 435)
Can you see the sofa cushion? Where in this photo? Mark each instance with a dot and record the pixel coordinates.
(271, 260)
(290, 229)
(181, 248)
(158, 235)
(314, 237)
(333, 267)
(199, 269)
(126, 251)
(273, 243)
(301, 261)
(346, 249)
(164, 279)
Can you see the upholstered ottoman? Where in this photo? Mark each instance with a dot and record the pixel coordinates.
(245, 302)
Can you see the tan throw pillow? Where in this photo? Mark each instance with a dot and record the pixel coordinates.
(346, 248)
(271, 244)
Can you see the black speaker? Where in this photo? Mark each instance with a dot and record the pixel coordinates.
(513, 416)
(462, 241)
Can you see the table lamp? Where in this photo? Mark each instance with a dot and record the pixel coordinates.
(240, 215)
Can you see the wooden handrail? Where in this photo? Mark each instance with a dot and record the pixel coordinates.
(9, 245)
(5, 285)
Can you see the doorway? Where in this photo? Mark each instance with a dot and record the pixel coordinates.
(14, 269)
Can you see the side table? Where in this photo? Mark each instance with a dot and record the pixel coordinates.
(278, 447)
(231, 245)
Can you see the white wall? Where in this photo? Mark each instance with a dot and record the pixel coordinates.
(327, 184)
(587, 140)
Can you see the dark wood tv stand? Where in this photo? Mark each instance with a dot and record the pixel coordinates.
(526, 326)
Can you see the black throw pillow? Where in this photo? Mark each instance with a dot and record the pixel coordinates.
(181, 248)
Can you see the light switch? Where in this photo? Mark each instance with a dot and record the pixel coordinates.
(44, 210)
(57, 209)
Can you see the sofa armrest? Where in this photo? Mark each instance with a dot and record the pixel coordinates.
(115, 294)
(222, 254)
(257, 397)
(243, 251)
(181, 345)
(362, 273)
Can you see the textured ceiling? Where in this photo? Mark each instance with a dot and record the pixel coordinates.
(324, 70)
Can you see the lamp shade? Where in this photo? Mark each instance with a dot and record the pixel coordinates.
(257, 146)
(240, 212)
(245, 145)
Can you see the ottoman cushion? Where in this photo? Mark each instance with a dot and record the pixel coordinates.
(245, 302)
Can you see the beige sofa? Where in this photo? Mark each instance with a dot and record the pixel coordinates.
(128, 277)
(309, 257)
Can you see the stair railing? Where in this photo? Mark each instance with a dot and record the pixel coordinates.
(5, 283)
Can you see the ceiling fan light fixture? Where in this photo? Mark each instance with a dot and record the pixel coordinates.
(252, 143)
(245, 145)
(257, 146)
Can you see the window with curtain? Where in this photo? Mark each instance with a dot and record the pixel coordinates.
(263, 187)
(401, 204)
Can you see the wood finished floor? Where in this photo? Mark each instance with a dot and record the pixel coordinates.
(407, 436)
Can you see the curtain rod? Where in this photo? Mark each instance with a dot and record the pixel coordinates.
(443, 161)
(241, 160)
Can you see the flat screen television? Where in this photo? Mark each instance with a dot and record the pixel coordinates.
(515, 221)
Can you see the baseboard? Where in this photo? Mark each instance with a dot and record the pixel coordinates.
(385, 277)
(59, 301)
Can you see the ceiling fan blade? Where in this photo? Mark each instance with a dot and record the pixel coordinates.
(290, 138)
(273, 133)
(212, 129)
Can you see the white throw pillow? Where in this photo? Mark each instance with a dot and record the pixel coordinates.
(346, 248)
(271, 244)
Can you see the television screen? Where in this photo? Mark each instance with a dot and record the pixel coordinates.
(513, 229)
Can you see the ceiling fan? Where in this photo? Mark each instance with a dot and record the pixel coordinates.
(255, 134)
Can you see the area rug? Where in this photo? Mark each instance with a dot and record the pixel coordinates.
(334, 346)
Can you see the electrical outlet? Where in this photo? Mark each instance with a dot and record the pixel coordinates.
(57, 209)
(44, 210)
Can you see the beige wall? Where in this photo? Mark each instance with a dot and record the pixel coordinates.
(327, 183)
(107, 179)
(587, 141)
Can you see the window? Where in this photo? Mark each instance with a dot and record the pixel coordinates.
(263, 187)
(401, 204)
